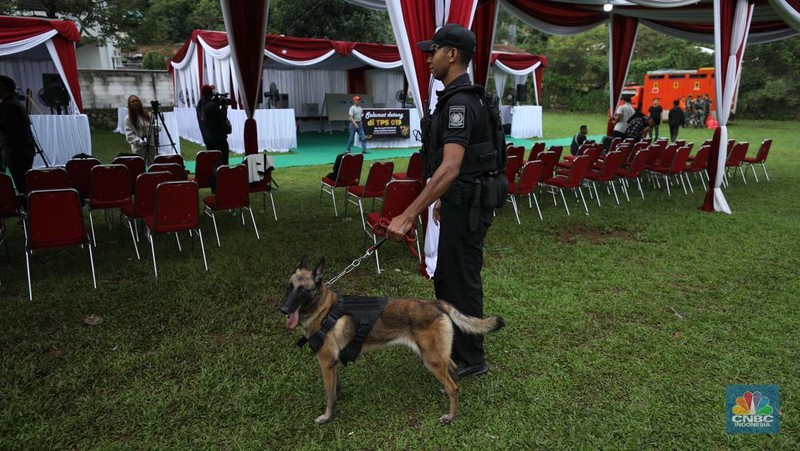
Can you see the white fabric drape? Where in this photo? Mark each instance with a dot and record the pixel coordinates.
(789, 15)
(276, 128)
(384, 86)
(61, 137)
(282, 60)
(306, 86)
(404, 47)
(726, 88)
(500, 83)
(26, 44)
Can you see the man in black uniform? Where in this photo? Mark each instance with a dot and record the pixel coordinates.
(460, 156)
(212, 116)
(656, 111)
(17, 147)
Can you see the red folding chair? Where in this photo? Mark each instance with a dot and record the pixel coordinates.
(204, 165)
(349, 174)
(571, 181)
(78, 170)
(54, 219)
(549, 161)
(38, 179)
(760, 158)
(526, 185)
(414, 169)
(142, 205)
(736, 157)
(516, 151)
(379, 175)
(606, 173)
(169, 158)
(177, 171)
(674, 168)
(109, 189)
(399, 195)
(135, 165)
(176, 210)
(266, 186)
(634, 169)
(513, 165)
(536, 149)
(698, 165)
(231, 193)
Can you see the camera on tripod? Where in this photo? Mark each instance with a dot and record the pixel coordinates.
(221, 99)
(154, 105)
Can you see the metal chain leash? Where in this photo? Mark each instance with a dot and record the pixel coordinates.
(356, 262)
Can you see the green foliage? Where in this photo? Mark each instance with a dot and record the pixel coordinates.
(154, 61)
(769, 83)
(329, 19)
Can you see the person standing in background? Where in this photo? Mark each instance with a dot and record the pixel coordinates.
(212, 116)
(656, 110)
(621, 116)
(138, 132)
(354, 115)
(17, 146)
(676, 120)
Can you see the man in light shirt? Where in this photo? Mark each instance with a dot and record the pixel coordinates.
(621, 116)
(355, 126)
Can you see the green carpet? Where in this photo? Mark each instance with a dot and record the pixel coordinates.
(321, 148)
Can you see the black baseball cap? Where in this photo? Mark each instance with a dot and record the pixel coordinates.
(450, 35)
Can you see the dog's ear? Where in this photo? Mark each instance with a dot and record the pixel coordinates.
(318, 271)
(303, 262)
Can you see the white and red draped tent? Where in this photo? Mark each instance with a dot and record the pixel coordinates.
(31, 46)
(305, 69)
(30, 49)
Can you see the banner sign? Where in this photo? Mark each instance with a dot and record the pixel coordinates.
(386, 123)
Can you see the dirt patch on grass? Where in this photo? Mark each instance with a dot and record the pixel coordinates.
(576, 232)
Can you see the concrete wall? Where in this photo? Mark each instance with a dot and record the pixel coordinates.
(109, 89)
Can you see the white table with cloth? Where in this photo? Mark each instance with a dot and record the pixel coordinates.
(61, 137)
(526, 121)
(171, 123)
(277, 129)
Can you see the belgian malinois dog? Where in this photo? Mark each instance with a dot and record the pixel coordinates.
(424, 326)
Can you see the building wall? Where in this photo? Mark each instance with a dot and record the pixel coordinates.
(109, 89)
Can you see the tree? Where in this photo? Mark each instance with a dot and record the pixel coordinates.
(329, 19)
(769, 84)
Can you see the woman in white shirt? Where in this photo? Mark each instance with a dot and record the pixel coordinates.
(138, 131)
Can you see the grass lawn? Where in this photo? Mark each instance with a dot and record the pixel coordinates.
(624, 327)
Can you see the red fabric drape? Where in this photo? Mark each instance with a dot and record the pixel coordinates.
(301, 49)
(483, 27)
(708, 202)
(558, 13)
(419, 24)
(378, 52)
(66, 53)
(623, 37)
(246, 25)
(356, 80)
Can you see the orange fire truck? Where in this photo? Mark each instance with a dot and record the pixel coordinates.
(670, 85)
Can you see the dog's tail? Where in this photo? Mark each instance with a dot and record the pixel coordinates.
(470, 324)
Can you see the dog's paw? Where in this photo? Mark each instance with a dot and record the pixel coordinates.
(446, 419)
(322, 419)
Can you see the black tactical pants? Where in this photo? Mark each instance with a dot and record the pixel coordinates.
(457, 279)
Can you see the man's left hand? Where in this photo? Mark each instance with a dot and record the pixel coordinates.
(399, 226)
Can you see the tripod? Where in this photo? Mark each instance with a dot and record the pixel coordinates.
(156, 122)
(36, 147)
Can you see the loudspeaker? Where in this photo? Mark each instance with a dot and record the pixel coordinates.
(55, 93)
(522, 93)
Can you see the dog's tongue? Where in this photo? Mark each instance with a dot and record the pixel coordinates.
(293, 319)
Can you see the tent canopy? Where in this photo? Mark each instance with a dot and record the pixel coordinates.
(31, 47)
(205, 58)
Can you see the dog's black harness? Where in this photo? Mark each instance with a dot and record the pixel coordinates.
(364, 312)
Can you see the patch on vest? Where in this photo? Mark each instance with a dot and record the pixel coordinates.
(457, 116)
